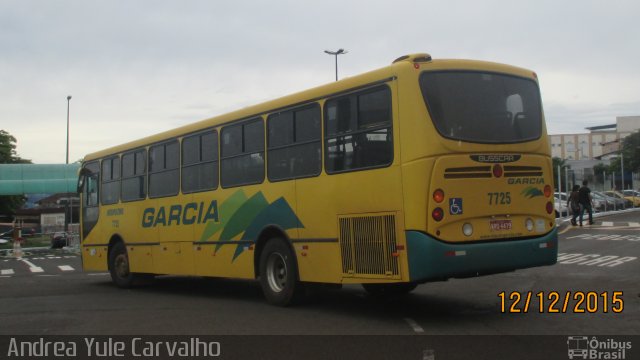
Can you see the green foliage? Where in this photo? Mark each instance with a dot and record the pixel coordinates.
(8, 155)
(558, 162)
(631, 152)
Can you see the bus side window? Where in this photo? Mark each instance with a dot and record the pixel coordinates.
(164, 172)
(294, 143)
(90, 175)
(200, 162)
(358, 131)
(134, 175)
(110, 180)
(242, 153)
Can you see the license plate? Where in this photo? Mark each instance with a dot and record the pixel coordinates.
(498, 225)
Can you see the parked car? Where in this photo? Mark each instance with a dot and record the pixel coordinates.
(59, 240)
(560, 205)
(631, 193)
(6, 237)
(614, 202)
(632, 196)
(603, 202)
(617, 195)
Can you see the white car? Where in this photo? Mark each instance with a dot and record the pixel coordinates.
(560, 204)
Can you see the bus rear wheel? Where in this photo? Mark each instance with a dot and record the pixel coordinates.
(389, 289)
(279, 274)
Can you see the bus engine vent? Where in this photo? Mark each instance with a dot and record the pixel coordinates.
(368, 246)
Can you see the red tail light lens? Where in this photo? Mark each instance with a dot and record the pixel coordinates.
(438, 196)
(437, 214)
(497, 170)
(547, 190)
(549, 207)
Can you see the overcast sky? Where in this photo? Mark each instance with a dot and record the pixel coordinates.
(135, 68)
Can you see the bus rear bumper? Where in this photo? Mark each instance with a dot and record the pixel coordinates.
(431, 259)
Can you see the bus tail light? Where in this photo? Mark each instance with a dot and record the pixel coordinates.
(547, 190)
(549, 207)
(467, 229)
(529, 224)
(438, 196)
(437, 214)
(497, 170)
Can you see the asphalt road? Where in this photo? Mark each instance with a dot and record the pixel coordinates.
(47, 293)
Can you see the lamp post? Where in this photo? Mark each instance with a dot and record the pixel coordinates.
(68, 220)
(336, 53)
(68, 101)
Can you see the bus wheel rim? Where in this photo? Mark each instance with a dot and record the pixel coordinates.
(277, 272)
(122, 266)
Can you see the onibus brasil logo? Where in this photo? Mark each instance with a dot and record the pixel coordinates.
(581, 347)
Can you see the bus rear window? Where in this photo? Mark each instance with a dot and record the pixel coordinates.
(483, 107)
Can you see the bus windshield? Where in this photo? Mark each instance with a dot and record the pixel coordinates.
(483, 107)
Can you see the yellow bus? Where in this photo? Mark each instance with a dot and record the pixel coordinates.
(420, 171)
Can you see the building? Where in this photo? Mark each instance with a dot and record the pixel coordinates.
(601, 141)
(49, 213)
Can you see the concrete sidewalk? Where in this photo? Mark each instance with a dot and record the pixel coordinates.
(565, 222)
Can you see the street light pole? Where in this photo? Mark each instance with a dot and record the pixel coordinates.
(622, 170)
(69, 219)
(336, 53)
(68, 101)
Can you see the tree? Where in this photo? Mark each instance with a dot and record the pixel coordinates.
(558, 162)
(631, 152)
(8, 155)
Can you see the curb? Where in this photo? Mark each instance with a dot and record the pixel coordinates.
(565, 222)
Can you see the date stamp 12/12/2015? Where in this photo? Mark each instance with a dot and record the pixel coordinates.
(577, 302)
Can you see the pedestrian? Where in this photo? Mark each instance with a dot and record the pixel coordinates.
(584, 196)
(573, 203)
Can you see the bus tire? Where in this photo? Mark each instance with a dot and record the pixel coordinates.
(389, 289)
(120, 271)
(279, 274)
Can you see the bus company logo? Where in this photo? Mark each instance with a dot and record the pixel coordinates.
(526, 181)
(189, 214)
(530, 192)
(495, 158)
(238, 220)
(581, 347)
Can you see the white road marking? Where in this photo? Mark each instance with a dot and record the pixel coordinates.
(65, 268)
(594, 259)
(32, 267)
(607, 223)
(636, 224)
(7, 272)
(414, 325)
(606, 237)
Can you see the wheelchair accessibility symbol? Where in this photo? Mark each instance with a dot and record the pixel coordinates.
(455, 206)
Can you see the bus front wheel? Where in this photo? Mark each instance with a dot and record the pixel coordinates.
(119, 268)
(279, 274)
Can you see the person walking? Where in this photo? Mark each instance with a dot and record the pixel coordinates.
(573, 203)
(584, 196)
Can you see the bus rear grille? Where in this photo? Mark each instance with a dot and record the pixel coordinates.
(522, 171)
(368, 245)
(469, 172)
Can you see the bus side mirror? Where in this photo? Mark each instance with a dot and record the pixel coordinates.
(81, 180)
(82, 176)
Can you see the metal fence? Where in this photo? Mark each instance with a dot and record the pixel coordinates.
(604, 182)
